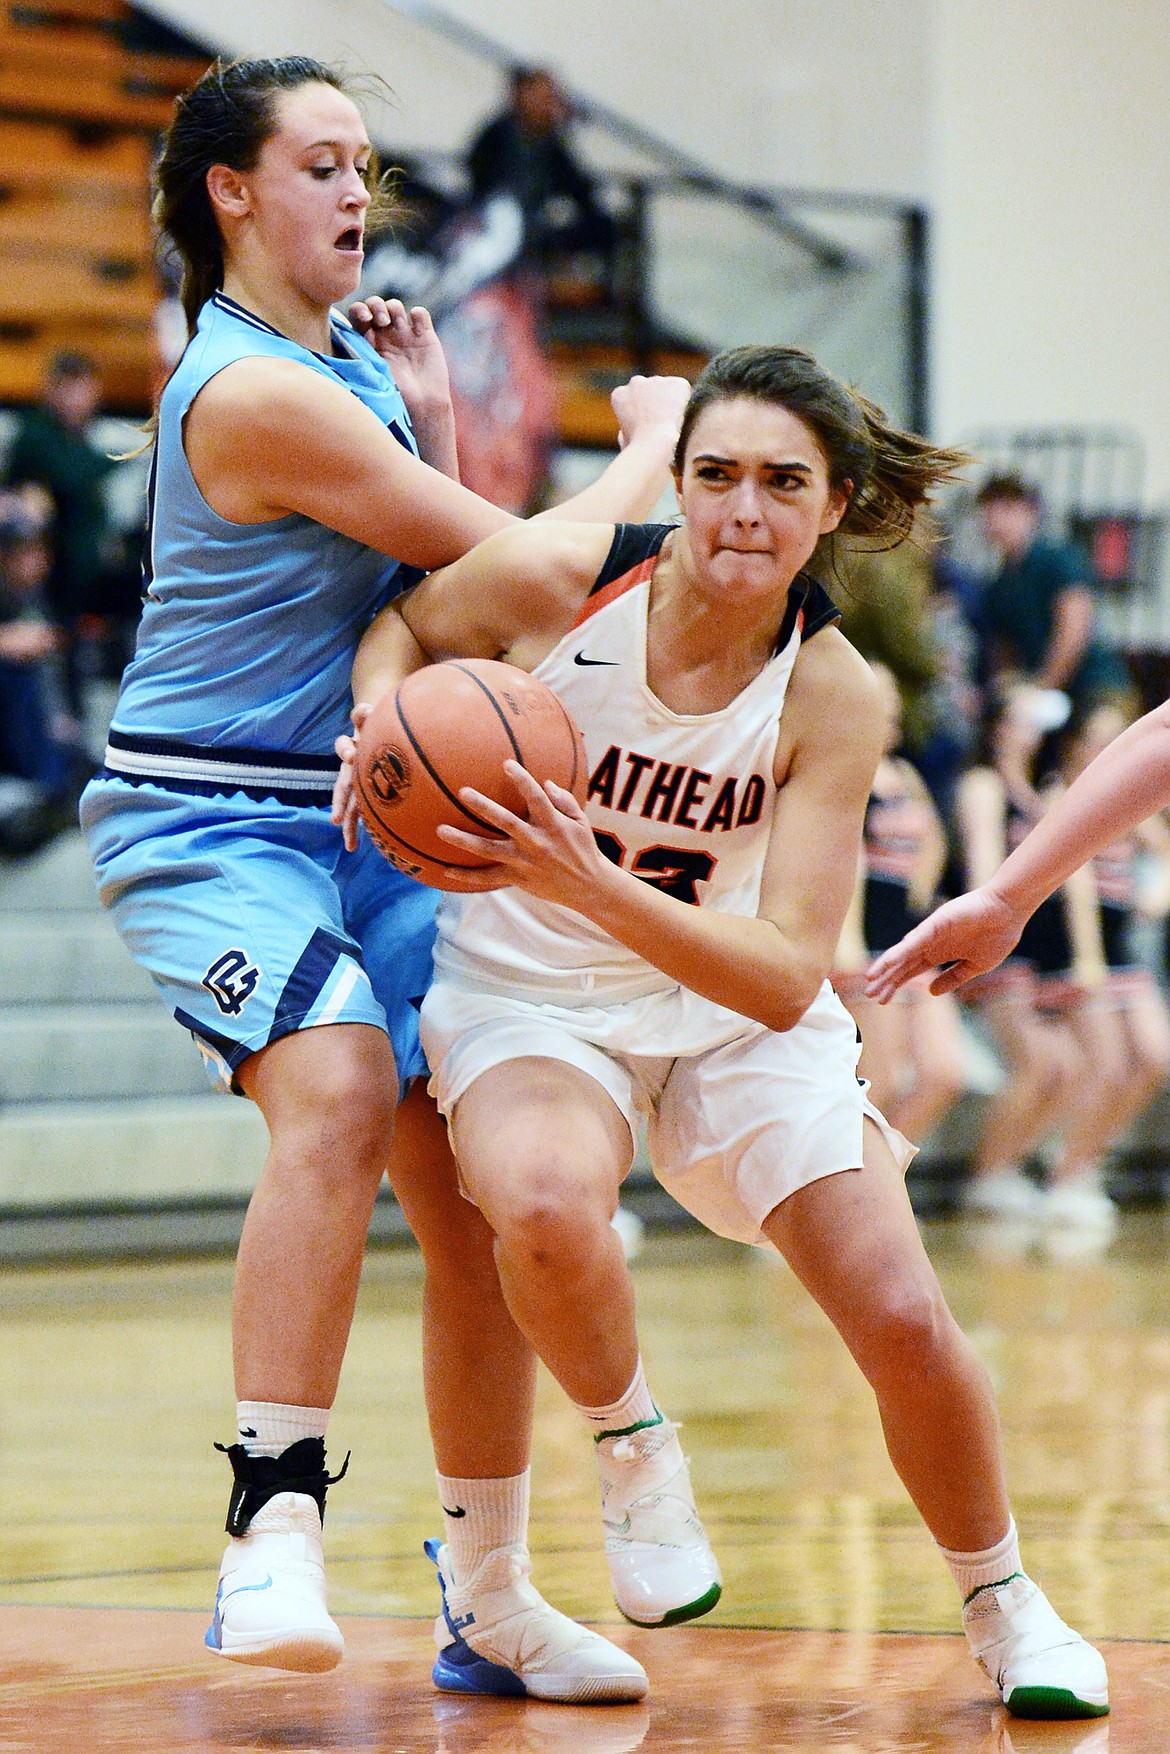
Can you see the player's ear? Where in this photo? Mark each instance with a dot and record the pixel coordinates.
(228, 192)
(838, 505)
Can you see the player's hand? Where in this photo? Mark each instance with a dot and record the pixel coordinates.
(406, 340)
(552, 855)
(650, 406)
(345, 807)
(959, 940)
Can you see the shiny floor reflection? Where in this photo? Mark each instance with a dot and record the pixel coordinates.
(114, 1381)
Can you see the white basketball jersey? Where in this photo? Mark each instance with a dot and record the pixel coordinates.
(682, 800)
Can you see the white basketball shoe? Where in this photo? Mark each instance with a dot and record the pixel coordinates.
(270, 1606)
(1042, 1668)
(497, 1634)
(660, 1561)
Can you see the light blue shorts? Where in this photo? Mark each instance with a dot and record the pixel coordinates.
(253, 921)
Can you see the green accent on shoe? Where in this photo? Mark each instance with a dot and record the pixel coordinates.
(628, 1430)
(1054, 1703)
(991, 1586)
(689, 1610)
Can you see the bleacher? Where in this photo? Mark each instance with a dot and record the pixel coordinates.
(79, 110)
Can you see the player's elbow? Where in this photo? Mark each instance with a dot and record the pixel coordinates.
(790, 999)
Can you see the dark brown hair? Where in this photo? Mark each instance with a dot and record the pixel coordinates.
(1009, 486)
(225, 119)
(886, 473)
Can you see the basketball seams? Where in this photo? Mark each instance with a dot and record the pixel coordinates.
(407, 846)
(519, 694)
(431, 770)
(480, 683)
(496, 708)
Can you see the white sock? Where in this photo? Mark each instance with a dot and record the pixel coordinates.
(634, 1409)
(974, 1571)
(266, 1428)
(482, 1515)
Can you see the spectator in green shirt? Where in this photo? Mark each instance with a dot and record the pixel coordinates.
(1038, 613)
(51, 447)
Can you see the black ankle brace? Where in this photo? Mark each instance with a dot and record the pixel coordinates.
(299, 1468)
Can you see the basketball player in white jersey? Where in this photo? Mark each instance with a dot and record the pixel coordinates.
(666, 949)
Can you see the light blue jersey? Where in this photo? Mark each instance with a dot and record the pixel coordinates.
(209, 823)
(249, 630)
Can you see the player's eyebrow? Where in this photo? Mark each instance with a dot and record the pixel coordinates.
(790, 468)
(337, 145)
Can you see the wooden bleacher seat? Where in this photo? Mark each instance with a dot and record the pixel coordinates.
(79, 223)
(40, 155)
(39, 283)
(124, 355)
(79, 112)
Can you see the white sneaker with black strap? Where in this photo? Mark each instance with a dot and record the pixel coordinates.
(1042, 1668)
(660, 1561)
(270, 1606)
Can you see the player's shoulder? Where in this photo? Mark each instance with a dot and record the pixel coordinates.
(833, 708)
(829, 668)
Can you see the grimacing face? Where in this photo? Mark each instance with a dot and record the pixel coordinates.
(755, 492)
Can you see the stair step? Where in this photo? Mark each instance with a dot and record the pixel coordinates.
(54, 1053)
(110, 1153)
(67, 958)
(60, 877)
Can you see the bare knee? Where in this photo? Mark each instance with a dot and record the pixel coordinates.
(903, 1331)
(331, 1117)
(549, 1214)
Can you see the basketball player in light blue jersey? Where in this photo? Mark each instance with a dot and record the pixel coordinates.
(304, 465)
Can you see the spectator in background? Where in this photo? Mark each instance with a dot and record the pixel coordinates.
(912, 1050)
(525, 152)
(34, 747)
(1036, 620)
(51, 447)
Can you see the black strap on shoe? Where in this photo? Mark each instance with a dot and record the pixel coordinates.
(299, 1468)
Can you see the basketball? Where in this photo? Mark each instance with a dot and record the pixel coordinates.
(448, 726)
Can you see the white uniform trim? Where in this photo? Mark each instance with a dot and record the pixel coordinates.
(190, 767)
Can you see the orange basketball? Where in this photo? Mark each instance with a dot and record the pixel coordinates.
(448, 726)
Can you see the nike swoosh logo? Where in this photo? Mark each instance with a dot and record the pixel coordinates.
(581, 659)
(247, 1431)
(459, 1512)
(244, 1589)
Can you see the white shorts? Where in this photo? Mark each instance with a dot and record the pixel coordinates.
(733, 1128)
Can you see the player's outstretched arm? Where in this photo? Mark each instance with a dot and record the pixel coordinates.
(1126, 783)
(270, 436)
(649, 413)
(959, 940)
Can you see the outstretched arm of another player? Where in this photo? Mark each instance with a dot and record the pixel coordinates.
(1126, 783)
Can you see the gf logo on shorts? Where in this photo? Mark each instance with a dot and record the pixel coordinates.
(231, 981)
(390, 774)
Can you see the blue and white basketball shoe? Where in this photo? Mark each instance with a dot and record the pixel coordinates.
(497, 1634)
(270, 1606)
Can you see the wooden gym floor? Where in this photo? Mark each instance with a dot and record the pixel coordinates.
(837, 1629)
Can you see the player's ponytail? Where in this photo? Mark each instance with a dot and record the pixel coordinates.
(225, 119)
(886, 473)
